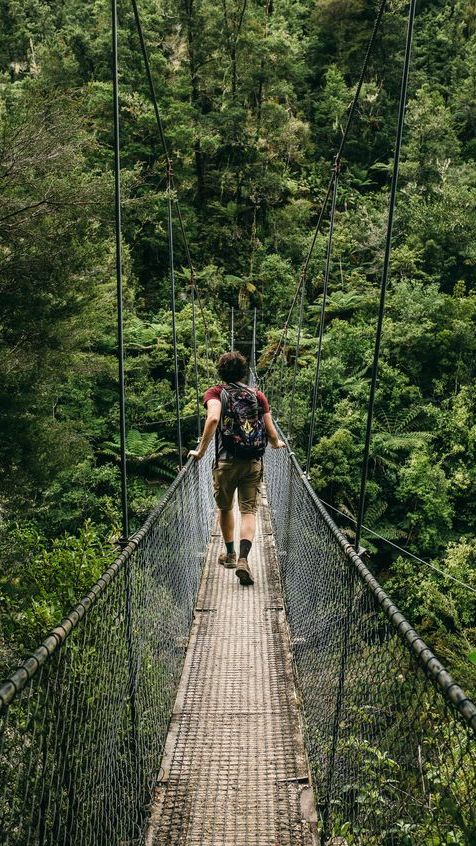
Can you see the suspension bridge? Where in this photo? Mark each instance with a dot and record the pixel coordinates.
(174, 706)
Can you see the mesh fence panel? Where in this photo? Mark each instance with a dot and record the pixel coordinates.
(392, 756)
(81, 743)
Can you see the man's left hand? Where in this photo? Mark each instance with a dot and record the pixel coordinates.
(195, 453)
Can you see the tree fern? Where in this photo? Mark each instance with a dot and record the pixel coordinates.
(140, 446)
(374, 519)
(387, 448)
(397, 422)
(395, 436)
(148, 454)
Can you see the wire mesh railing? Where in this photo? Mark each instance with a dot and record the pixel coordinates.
(83, 721)
(390, 736)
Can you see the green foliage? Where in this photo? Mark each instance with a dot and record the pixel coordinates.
(253, 107)
(87, 491)
(442, 604)
(332, 458)
(41, 580)
(423, 493)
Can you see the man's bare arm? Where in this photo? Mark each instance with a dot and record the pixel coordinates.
(271, 432)
(213, 418)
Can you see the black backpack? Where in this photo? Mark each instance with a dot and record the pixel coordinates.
(242, 428)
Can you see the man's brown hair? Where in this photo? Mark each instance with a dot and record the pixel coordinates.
(232, 367)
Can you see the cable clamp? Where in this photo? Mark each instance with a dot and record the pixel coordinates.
(337, 166)
(170, 171)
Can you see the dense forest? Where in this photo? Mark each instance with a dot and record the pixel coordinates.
(254, 96)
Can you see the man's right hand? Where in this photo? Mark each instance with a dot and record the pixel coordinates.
(196, 454)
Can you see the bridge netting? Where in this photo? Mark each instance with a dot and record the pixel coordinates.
(390, 737)
(84, 720)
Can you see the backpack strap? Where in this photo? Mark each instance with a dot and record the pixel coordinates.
(222, 400)
(223, 396)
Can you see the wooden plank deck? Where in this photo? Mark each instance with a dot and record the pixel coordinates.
(234, 770)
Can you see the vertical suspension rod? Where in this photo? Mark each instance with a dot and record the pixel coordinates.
(386, 265)
(338, 158)
(195, 286)
(170, 233)
(195, 363)
(253, 343)
(296, 355)
(119, 284)
(170, 188)
(195, 298)
(145, 56)
(282, 370)
(232, 330)
(128, 585)
(322, 317)
(301, 277)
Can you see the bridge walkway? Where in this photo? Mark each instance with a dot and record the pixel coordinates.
(234, 770)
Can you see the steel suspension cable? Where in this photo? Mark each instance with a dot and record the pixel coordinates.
(128, 589)
(350, 600)
(296, 356)
(170, 192)
(400, 548)
(344, 654)
(145, 56)
(253, 343)
(170, 233)
(302, 278)
(195, 365)
(337, 161)
(281, 373)
(350, 588)
(322, 318)
(119, 283)
(360, 83)
(386, 265)
(193, 281)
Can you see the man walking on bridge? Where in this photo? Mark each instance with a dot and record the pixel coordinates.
(240, 419)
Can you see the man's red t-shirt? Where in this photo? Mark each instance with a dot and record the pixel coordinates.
(215, 393)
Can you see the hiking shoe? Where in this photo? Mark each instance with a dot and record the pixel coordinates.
(228, 560)
(243, 572)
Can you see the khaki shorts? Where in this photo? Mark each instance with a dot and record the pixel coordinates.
(244, 474)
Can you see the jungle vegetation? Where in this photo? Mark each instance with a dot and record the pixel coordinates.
(254, 95)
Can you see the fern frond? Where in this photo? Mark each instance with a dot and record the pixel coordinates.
(140, 445)
(374, 512)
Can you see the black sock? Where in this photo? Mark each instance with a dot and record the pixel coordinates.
(230, 546)
(245, 546)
